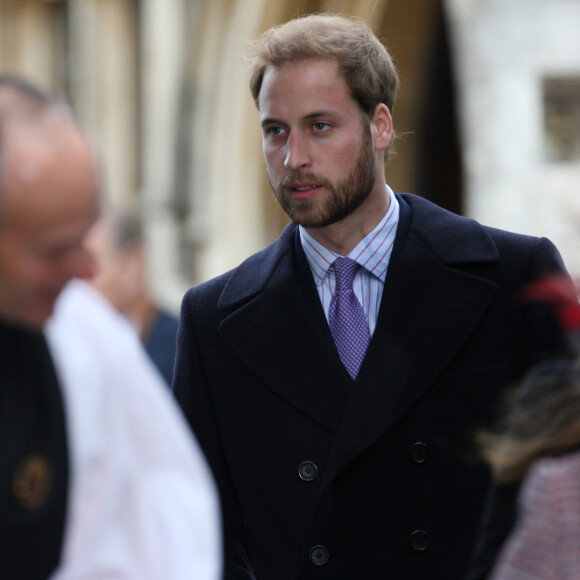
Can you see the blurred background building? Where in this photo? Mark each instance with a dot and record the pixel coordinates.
(488, 114)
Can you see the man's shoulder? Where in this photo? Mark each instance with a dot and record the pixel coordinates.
(453, 234)
(440, 218)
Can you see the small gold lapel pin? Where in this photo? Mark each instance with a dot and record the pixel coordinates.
(32, 481)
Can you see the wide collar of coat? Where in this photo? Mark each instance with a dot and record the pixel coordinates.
(431, 302)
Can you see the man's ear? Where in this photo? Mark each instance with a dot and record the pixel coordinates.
(382, 127)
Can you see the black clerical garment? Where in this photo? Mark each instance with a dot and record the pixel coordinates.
(33, 457)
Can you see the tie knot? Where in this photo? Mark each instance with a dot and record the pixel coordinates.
(344, 271)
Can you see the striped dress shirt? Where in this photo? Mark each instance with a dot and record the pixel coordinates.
(373, 253)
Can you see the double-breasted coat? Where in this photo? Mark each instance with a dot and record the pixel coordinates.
(325, 477)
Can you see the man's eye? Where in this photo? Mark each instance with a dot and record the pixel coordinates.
(274, 131)
(54, 254)
(320, 126)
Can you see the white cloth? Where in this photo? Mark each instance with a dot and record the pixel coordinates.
(142, 504)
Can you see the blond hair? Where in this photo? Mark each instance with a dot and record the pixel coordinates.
(363, 61)
(541, 418)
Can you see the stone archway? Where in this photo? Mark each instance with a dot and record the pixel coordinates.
(236, 213)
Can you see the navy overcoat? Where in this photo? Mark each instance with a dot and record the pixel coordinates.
(322, 477)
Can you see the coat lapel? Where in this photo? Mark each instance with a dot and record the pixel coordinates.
(272, 328)
(429, 308)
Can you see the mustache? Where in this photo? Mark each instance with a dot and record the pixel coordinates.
(302, 176)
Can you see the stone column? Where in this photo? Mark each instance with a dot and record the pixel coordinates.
(103, 81)
(231, 136)
(162, 57)
(29, 43)
(504, 51)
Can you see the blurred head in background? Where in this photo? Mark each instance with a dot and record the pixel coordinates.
(116, 242)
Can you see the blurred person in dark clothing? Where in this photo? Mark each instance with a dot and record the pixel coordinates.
(117, 244)
(48, 202)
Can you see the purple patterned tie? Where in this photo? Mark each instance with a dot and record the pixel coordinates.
(348, 324)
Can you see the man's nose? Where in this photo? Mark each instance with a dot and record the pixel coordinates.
(84, 264)
(297, 152)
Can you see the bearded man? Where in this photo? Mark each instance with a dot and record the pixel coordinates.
(335, 378)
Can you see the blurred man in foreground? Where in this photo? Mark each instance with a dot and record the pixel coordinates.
(98, 476)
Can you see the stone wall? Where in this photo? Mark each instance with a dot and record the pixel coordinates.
(506, 52)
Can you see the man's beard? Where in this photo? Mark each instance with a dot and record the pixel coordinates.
(342, 199)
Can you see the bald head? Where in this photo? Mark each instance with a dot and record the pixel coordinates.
(48, 202)
(21, 105)
(21, 100)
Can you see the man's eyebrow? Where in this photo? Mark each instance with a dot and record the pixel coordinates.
(309, 116)
(316, 114)
(270, 121)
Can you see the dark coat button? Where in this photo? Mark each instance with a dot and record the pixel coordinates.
(419, 452)
(419, 540)
(307, 471)
(319, 555)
